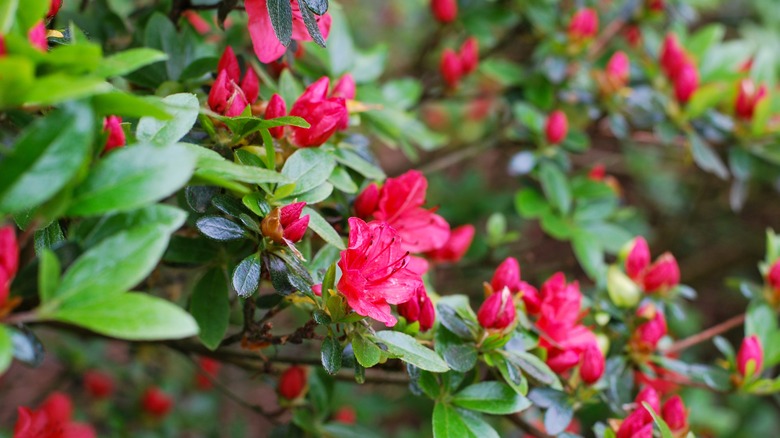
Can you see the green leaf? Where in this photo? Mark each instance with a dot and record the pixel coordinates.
(116, 264)
(48, 237)
(341, 47)
(31, 13)
(331, 355)
(559, 409)
(530, 203)
(492, 398)
(476, 425)
(184, 110)
(706, 158)
(450, 422)
(7, 14)
(219, 228)
(665, 431)
(351, 159)
(706, 97)
(409, 350)
(460, 357)
(210, 306)
(129, 61)
(211, 167)
(49, 271)
(319, 7)
(46, 156)
(92, 231)
(48, 90)
(131, 177)
(6, 349)
(310, 21)
(129, 105)
(589, 253)
(309, 168)
(366, 352)
(533, 367)
(280, 12)
(246, 276)
(319, 225)
(130, 316)
(761, 321)
(555, 186)
(341, 180)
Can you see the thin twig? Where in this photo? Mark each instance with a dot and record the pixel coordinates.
(709, 333)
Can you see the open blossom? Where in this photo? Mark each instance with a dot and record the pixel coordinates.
(557, 127)
(748, 96)
(498, 311)
(374, 272)
(750, 351)
(325, 114)
(584, 24)
(399, 203)
(267, 46)
(420, 309)
(455, 247)
(51, 420)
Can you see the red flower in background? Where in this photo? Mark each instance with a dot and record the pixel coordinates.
(584, 25)
(293, 382)
(557, 127)
(267, 46)
(750, 350)
(451, 68)
(9, 261)
(592, 364)
(469, 55)
(455, 247)
(98, 384)
(374, 271)
(54, 8)
(748, 96)
(445, 11)
(208, 369)
(116, 135)
(51, 420)
(156, 402)
(230, 95)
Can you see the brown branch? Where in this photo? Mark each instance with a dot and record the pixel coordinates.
(707, 334)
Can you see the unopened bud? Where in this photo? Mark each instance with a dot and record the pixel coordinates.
(557, 127)
(498, 311)
(622, 290)
(750, 352)
(293, 382)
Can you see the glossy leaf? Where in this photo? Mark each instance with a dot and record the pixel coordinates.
(409, 350)
(184, 110)
(491, 397)
(210, 306)
(246, 276)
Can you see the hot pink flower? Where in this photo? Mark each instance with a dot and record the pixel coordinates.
(592, 364)
(229, 63)
(507, 275)
(469, 55)
(584, 24)
(638, 258)
(672, 56)
(649, 333)
(686, 82)
(344, 87)
(750, 350)
(557, 127)
(54, 7)
(419, 308)
(37, 37)
(51, 420)
(276, 108)
(374, 271)
(451, 68)
(444, 11)
(326, 115)
(367, 201)
(773, 277)
(226, 97)
(650, 396)
(156, 402)
(618, 69)
(675, 414)
(498, 311)
(400, 205)
(636, 425)
(663, 274)
(3, 51)
(457, 245)
(9, 261)
(116, 135)
(267, 46)
(748, 96)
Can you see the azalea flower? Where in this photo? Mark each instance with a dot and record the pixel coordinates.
(374, 272)
(267, 46)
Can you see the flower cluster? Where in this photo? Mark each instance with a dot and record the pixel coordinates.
(231, 95)
(679, 68)
(454, 66)
(639, 423)
(53, 419)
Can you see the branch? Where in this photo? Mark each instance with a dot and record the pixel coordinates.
(709, 333)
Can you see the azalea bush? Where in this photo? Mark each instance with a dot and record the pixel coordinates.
(427, 218)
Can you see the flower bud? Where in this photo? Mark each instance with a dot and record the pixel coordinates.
(276, 108)
(686, 82)
(633, 35)
(345, 415)
(229, 63)
(656, 5)
(773, 277)
(561, 360)
(618, 69)
(293, 382)
(293, 224)
(156, 402)
(208, 370)
(58, 407)
(592, 364)
(419, 308)
(9, 251)
(445, 11)
(622, 290)
(469, 55)
(750, 350)
(250, 85)
(37, 37)
(747, 98)
(220, 93)
(345, 87)
(650, 396)
(367, 201)
(54, 8)
(672, 56)
(456, 246)
(638, 257)
(507, 275)
(498, 311)
(557, 127)
(98, 384)
(3, 51)
(116, 135)
(584, 24)
(650, 332)
(237, 103)
(531, 298)
(662, 275)
(636, 425)
(451, 68)
(674, 413)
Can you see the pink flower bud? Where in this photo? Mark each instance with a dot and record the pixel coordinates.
(747, 98)
(451, 68)
(293, 224)
(656, 5)
(662, 275)
(156, 402)
(367, 201)
(592, 364)
(636, 425)
(618, 68)
(674, 413)
(208, 371)
(750, 350)
(116, 135)
(686, 82)
(58, 406)
(344, 87)
(561, 360)
(9, 251)
(650, 396)
(419, 308)
(672, 56)
(633, 35)
(317, 289)
(469, 55)
(597, 173)
(37, 37)
(444, 11)
(237, 103)
(3, 50)
(250, 85)
(54, 8)
(292, 382)
(507, 275)
(197, 22)
(531, 298)
(557, 127)
(220, 93)
(650, 332)
(98, 384)
(345, 415)
(229, 63)
(638, 258)
(276, 108)
(325, 115)
(584, 24)
(456, 246)
(498, 311)
(773, 277)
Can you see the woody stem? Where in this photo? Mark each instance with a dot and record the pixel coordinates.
(704, 335)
